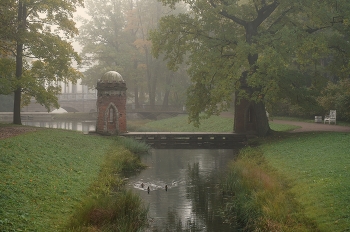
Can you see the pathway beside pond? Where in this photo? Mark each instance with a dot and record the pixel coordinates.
(308, 127)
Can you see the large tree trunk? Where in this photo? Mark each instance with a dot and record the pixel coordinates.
(250, 116)
(262, 126)
(19, 62)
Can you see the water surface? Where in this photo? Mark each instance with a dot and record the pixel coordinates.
(192, 199)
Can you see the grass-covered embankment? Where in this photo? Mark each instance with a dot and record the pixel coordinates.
(294, 182)
(45, 175)
(258, 197)
(107, 205)
(318, 166)
(291, 182)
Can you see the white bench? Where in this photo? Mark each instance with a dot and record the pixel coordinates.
(332, 117)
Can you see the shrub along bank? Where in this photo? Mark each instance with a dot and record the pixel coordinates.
(46, 175)
(108, 206)
(258, 198)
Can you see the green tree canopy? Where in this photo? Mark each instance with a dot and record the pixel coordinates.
(261, 50)
(36, 51)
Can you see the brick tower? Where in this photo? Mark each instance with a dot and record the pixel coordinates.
(111, 104)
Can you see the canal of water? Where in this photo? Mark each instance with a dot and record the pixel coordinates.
(183, 184)
(183, 187)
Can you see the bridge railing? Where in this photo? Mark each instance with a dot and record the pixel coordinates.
(155, 108)
(76, 96)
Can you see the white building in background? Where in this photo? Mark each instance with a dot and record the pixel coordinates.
(69, 87)
(73, 98)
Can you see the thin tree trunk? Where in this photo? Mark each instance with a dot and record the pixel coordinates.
(168, 81)
(19, 62)
(136, 89)
(154, 86)
(136, 93)
(166, 100)
(151, 93)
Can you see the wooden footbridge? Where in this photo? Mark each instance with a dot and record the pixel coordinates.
(197, 140)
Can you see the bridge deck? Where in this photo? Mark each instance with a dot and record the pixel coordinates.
(189, 139)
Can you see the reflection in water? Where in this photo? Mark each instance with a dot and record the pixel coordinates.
(192, 199)
(67, 125)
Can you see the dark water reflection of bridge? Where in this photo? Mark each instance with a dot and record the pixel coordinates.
(198, 140)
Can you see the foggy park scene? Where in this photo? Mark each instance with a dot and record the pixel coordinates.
(174, 115)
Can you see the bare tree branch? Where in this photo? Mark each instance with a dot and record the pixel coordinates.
(265, 12)
(282, 15)
(312, 30)
(226, 15)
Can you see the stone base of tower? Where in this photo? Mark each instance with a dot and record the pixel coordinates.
(110, 123)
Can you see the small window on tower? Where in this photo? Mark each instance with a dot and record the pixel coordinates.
(111, 114)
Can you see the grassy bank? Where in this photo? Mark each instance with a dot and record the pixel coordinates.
(45, 175)
(292, 182)
(107, 206)
(258, 197)
(317, 164)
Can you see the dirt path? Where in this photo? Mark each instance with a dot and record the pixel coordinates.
(10, 131)
(307, 127)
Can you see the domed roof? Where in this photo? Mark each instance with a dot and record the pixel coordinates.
(112, 76)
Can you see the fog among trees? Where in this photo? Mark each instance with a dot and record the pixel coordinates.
(115, 37)
(286, 57)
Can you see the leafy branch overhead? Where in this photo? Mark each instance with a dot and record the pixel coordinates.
(37, 35)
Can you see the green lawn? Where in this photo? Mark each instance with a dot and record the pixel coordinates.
(43, 176)
(212, 124)
(318, 165)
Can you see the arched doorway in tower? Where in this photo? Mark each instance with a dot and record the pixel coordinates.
(111, 119)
